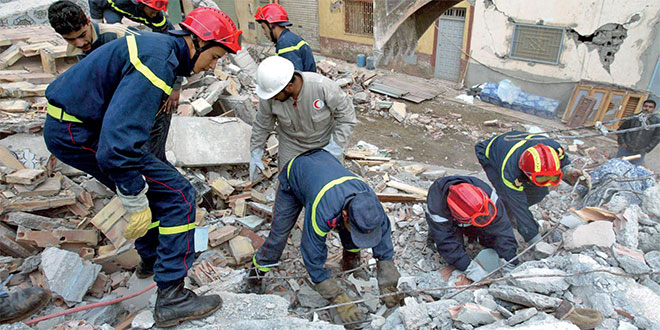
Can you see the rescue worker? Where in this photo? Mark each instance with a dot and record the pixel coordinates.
(84, 36)
(22, 303)
(643, 141)
(100, 113)
(521, 166)
(311, 111)
(333, 197)
(147, 12)
(459, 206)
(274, 20)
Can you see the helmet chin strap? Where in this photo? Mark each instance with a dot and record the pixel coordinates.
(199, 50)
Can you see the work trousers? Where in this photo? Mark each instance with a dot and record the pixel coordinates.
(171, 197)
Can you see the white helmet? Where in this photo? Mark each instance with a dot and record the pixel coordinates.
(273, 74)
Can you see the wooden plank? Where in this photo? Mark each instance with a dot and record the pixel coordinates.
(11, 55)
(353, 155)
(8, 159)
(407, 188)
(112, 222)
(40, 203)
(26, 176)
(400, 198)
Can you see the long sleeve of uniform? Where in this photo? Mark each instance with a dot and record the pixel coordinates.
(262, 125)
(96, 9)
(342, 111)
(448, 241)
(128, 121)
(295, 58)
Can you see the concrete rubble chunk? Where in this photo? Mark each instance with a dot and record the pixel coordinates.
(474, 314)
(398, 111)
(414, 315)
(201, 107)
(433, 174)
(651, 200)
(521, 297)
(522, 316)
(144, 320)
(201, 141)
(632, 261)
(361, 98)
(540, 284)
(599, 301)
(241, 105)
(102, 315)
(571, 220)
(597, 233)
(623, 325)
(627, 231)
(308, 297)
(67, 275)
(544, 250)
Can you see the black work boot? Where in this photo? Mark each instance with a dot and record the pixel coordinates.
(21, 304)
(176, 304)
(351, 260)
(145, 268)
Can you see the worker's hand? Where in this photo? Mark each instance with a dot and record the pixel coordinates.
(347, 313)
(475, 272)
(388, 277)
(139, 213)
(333, 148)
(256, 163)
(172, 102)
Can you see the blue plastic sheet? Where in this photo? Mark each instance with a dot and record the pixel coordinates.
(604, 187)
(524, 102)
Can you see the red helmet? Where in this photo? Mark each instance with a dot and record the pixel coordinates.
(155, 4)
(272, 13)
(469, 205)
(541, 161)
(210, 24)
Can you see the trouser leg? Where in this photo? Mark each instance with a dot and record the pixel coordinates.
(158, 136)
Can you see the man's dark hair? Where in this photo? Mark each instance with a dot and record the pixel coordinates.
(650, 101)
(66, 17)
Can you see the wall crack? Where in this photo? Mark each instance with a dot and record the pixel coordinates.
(607, 39)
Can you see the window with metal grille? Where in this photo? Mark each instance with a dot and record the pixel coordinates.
(454, 12)
(359, 17)
(537, 43)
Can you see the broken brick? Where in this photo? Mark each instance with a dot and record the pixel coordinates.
(222, 234)
(241, 249)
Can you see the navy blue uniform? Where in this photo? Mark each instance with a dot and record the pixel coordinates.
(317, 181)
(292, 47)
(114, 10)
(100, 114)
(447, 234)
(499, 158)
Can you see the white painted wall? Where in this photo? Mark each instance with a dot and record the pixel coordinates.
(492, 34)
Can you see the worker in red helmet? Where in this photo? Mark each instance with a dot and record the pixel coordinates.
(274, 21)
(521, 167)
(100, 114)
(459, 206)
(148, 12)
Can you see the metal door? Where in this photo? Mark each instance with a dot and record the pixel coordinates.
(450, 43)
(304, 15)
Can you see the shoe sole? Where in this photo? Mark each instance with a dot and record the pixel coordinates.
(38, 309)
(142, 277)
(181, 320)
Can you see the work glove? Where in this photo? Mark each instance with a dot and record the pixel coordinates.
(256, 163)
(388, 277)
(475, 272)
(329, 289)
(333, 148)
(139, 213)
(508, 268)
(254, 283)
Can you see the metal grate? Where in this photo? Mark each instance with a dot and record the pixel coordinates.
(537, 43)
(454, 12)
(359, 17)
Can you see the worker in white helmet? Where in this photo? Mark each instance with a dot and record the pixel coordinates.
(311, 112)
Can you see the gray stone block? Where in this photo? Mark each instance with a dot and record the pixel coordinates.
(540, 284)
(67, 275)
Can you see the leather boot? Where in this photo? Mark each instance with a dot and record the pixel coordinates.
(351, 260)
(145, 268)
(176, 304)
(21, 304)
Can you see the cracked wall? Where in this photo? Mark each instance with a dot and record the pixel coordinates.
(607, 41)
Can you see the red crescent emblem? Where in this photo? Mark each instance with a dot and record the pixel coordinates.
(318, 104)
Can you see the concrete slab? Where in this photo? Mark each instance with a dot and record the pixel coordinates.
(68, 275)
(209, 141)
(36, 145)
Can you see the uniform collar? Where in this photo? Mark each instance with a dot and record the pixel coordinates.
(72, 50)
(183, 55)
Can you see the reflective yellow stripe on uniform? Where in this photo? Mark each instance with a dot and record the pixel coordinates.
(353, 250)
(133, 54)
(292, 48)
(153, 225)
(176, 229)
(288, 168)
(317, 200)
(133, 17)
(254, 261)
(59, 114)
(489, 144)
(506, 158)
